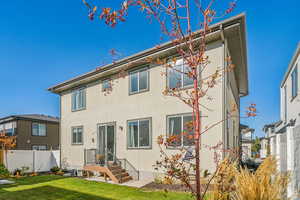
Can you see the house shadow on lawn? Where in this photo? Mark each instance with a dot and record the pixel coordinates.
(31, 180)
(47, 193)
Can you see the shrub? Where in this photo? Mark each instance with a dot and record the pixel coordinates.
(55, 169)
(3, 171)
(21, 172)
(233, 183)
(265, 184)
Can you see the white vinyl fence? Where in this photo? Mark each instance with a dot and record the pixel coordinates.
(36, 161)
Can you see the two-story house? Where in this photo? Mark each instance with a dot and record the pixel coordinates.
(33, 132)
(126, 123)
(246, 141)
(289, 93)
(284, 135)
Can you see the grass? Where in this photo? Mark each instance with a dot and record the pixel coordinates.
(59, 188)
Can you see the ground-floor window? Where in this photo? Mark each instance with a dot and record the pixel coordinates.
(139, 133)
(39, 147)
(180, 130)
(77, 135)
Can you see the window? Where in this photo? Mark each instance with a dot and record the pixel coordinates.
(39, 147)
(106, 85)
(38, 129)
(295, 82)
(77, 135)
(285, 104)
(138, 81)
(180, 128)
(139, 133)
(9, 128)
(177, 79)
(78, 99)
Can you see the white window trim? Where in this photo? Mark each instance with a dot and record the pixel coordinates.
(150, 133)
(138, 80)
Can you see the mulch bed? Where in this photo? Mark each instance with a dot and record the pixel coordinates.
(172, 187)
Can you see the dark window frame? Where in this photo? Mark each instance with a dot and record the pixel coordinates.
(182, 115)
(150, 133)
(77, 108)
(82, 136)
(138, 70)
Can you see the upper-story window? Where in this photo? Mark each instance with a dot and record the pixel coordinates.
(177, 75)
(139, 81)
(180, 130)
(39, 147)
(38, 129)
(285, 104)
(8, 128)
(295, 82)
(106, 85)
(78, 99)
(139, 133)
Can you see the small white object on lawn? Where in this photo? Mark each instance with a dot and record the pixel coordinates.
(5, 182)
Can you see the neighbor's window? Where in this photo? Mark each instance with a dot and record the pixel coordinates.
(77, 135)
(9, 128)
(138, 80)
(106, 85)
(295, 82)
(180, 130)
(177, 79)
(38, 129)
(78, 99)
(39, 147)
(139, 135)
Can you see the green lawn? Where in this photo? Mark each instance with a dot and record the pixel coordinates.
(59, 188)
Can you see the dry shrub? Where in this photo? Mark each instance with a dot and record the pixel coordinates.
(223, 184)
(231, 183)
(265, 184)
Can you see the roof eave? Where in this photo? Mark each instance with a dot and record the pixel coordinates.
(291, 65)
(216, 27)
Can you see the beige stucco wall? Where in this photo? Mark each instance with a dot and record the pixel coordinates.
(293, 105)
(232, 141)
(119, 107)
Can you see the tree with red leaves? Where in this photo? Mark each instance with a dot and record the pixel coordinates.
(175, 18)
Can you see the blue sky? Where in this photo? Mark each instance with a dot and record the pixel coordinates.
(45, 42)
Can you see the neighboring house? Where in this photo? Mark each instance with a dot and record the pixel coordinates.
(270, 134)
(264, 147)
(34, 132)
(126, 123)
(246, 140)
(285, 134)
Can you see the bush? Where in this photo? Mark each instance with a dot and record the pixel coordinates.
(21, 172)
(55, 169)
(4, 171)
(233, 183)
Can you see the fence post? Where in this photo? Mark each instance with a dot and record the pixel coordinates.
(33, 161)
(1, 157)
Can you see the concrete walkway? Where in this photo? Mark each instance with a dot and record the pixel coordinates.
(132, 183)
